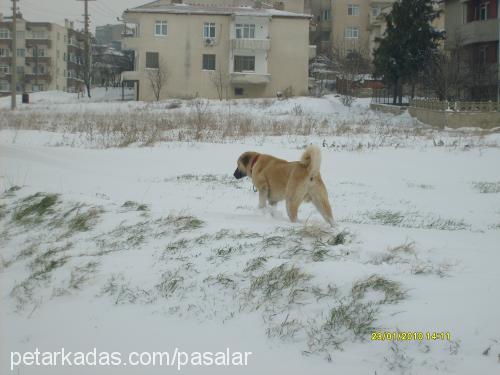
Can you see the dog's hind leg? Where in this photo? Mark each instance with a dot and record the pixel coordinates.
(319, 197)
(292, 204)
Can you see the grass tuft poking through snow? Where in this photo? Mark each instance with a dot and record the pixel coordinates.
(32, 209)
(391, 289)
(487, 187)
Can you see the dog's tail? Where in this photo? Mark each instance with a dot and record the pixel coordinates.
(311, 159)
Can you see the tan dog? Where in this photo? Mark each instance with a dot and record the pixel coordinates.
(278, 180)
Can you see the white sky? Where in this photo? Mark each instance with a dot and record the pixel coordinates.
(101, 11)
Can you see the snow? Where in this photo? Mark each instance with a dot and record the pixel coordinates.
(441, 203)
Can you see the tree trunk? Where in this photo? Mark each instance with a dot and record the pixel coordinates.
(400, 91)
(395, 92)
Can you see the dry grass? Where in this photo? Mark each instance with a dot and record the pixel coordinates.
(198, 121)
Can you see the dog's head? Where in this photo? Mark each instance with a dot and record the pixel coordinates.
(243, 164)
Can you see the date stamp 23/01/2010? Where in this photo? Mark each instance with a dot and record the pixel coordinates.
(410, 336)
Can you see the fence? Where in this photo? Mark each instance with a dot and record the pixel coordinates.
(386, 96)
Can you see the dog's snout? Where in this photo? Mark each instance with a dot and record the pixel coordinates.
(237, 174)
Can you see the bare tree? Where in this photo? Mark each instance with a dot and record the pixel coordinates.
(352, 63)
(158, 79)
(455, 74)
(220, 79)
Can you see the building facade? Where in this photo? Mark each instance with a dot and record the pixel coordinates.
(348, 25)
(217, 51)
(351, 25)
(472, 28)
(48, 56)
(109, 35)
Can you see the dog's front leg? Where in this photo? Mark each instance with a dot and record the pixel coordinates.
(262, 197)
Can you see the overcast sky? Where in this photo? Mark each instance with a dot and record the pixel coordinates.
(101, 11)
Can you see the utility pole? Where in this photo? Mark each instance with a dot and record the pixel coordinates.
(13, 68)
(86, 21)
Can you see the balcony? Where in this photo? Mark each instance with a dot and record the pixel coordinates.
(376, 21)
(250, 78)
(32, 42)
(32, 77)
(479, 31)
(253, 44)
(41, 59)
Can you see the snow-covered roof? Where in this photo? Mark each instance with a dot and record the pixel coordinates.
(162, 7)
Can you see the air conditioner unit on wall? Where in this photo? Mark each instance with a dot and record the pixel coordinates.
(209, 41)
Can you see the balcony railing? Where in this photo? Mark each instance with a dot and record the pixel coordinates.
(250, 78)
(255, 44)
(480, 31)
(41, 59)
(32, 42)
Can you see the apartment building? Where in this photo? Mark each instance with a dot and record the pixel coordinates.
(296, 6)
(351, 25)
(472, 26)
(249, 52)
(48, 56)
(110, 35)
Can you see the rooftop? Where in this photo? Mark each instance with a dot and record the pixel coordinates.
(160, 6)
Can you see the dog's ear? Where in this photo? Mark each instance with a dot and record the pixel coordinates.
(245, 159)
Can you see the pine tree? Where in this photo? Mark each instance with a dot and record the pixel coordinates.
(408, 44)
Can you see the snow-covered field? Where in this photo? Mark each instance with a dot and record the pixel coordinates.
(155, 246)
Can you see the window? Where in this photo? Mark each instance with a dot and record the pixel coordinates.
(20, 34)
(4, 52)
(4, 34)
(4, 69)
(161, 28)
(327, 15)
(208, 62)
(375, 11)
(244, 63)
(245, 31)
(209, 30)
(351, 32)
(20, 70)
(353, 10)
(483, 11)
(65, 56)
(41, 52)
(325, 36)
(238, 91)
(4, 86)
(152, 60)
(37, 88)
(21, 52)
